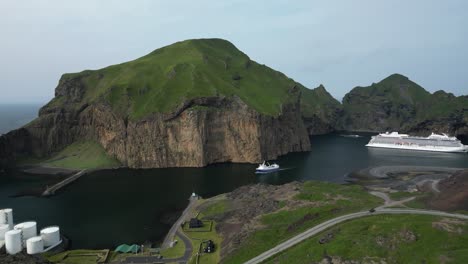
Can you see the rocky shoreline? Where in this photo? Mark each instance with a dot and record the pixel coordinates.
(442, 188)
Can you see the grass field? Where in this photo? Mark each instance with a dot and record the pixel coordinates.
(197, 238)
(82, 155)
(117, 256)
(333, 200)
(207, 227)
(80, 256)
(396, 238)
(402, 195)
(215, 207)
(318, 102)
(176, 251)
(420, 201)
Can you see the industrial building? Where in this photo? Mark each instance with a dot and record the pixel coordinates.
(195, 223)
(210, 247)
(23, 236)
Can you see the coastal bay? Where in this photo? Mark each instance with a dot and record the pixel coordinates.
(134, 206)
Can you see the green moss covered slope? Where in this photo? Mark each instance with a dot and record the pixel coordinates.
(165, 78)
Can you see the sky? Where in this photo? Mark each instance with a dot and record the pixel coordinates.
(340, 44)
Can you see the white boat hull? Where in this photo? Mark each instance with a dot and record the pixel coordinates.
(266, 170)
(420, 148)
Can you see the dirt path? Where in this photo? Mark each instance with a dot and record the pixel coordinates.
(388, 202)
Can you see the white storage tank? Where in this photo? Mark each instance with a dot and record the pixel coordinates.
(29, 229)
(13, 243)
(3, 229)
(50, 235)
(6, 217)
(34, 245)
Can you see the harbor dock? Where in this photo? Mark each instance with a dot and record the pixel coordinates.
(50, 190)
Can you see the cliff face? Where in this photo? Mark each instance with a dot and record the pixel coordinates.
(320, 111)
(208, 130)
(219, 130)
(398, 104)
(389, 104)
(213, 118)
(213, 130)
(199, 102)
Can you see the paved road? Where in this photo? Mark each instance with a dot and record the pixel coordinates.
(184, 259)
(174, 231)
(323, 226)
(388, 201)
(183, 217)
(384, 196)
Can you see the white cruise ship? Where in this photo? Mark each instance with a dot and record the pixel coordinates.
(434, 142)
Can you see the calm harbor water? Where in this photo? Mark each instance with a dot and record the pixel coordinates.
(111, 207)
(108, 208)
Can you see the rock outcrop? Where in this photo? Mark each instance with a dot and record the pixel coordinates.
(208, 130)
(320, 111)
(221, 126)
(199, 102)
(398, 104)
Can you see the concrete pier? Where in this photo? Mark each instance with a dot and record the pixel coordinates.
(187, 212)
(52, 189)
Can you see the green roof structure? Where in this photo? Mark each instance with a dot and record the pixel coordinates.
(124, 248)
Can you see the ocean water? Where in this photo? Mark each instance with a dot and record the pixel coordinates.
(108, 208)
(111, 207)
(14, 116)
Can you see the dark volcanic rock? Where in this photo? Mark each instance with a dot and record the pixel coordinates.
(225, 130)
(320, 111)
(14, 144)
(22, 258)
(453, 194)
(387, 105)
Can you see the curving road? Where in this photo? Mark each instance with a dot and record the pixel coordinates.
(183, 217)
(323, 226)
(175, 230)
(153, 259)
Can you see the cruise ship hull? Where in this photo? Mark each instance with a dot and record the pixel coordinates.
(420, 148)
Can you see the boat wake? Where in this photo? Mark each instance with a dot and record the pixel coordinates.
(350, 136)
(278, 170)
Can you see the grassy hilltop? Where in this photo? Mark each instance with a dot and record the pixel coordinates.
(163, 79)
(397, 103)
(208, 77)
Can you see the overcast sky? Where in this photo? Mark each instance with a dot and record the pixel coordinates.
(341, 44)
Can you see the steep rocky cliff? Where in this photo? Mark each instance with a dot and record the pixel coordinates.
(320, 111)
(192, 103)
(396, 103)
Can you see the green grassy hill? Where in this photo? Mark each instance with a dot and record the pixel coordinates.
(400, 90)
(202, 74)
(318, 102)
(397, 102)
(385, 239)
(163, 79)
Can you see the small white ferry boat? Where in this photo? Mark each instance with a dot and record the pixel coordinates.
(434, 142)
(266, 167)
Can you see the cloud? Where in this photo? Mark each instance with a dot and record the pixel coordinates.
(338, 43)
